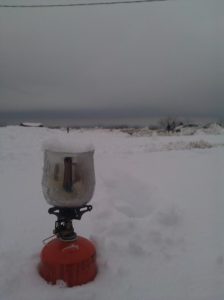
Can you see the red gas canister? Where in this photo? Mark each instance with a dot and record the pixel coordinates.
(74, 262)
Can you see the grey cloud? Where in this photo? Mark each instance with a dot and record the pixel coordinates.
(163, 58)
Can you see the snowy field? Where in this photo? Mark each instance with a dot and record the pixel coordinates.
(157, 219)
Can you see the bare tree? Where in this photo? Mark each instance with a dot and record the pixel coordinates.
(168, 123)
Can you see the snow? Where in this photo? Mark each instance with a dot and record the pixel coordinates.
(157, 218)
(67, 144)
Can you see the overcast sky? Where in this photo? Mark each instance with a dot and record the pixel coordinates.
(160, 58)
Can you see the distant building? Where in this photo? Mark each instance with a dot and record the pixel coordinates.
(29, 124)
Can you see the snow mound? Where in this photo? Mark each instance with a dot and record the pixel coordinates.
(213, 128)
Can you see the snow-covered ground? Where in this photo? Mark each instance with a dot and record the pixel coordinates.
(157, 219)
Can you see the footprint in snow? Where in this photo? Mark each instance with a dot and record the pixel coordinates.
(130, 196)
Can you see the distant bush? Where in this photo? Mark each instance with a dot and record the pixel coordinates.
(199, 145)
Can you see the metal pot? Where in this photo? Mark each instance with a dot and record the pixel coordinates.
(68, 178)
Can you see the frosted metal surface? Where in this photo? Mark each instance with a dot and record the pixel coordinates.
(82, 181)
